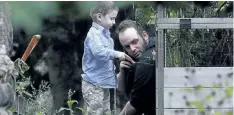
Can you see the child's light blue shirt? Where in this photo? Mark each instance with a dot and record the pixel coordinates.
(97, 60)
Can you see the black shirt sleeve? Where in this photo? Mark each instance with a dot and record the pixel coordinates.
(143, 91)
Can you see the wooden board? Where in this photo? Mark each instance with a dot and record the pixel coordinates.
(160, 61)
(177, 98)
(196, 112)
(196, 26)
(196, 20)
(196, 23)
(182, 111)
(193, 76)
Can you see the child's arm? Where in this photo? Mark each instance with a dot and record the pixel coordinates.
(101, 51)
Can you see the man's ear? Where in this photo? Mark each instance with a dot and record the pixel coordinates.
(145, 35)
(99, 16)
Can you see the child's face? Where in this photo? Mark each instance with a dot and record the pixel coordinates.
(108, 20)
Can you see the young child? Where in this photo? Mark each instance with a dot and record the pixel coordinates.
(97, 61)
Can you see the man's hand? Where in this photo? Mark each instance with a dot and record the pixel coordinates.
(128, 110)
(126, 63)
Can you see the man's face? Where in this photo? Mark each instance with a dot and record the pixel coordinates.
(108, 20)
(132, 42)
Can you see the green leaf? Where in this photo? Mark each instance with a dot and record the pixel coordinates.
(12, 109)
(209, 97)
(39, 113)
(198, 104)
(217, 113)
(229, 91)
(172, 13)
(71, 102)
(220, 3)
(198, 88)
(229, 113)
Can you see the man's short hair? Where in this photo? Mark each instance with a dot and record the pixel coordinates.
(103, 7)
(129, 24)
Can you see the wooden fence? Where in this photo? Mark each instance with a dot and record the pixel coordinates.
(188, 90)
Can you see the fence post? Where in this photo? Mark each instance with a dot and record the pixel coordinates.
(159, 63)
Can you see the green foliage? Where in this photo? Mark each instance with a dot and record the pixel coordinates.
(220, 4)
(180, 43)
(198, 47)
(22, 84)
(198, 105)
(204, 102)
(208, 97)
(39, 103)
(229, 113)
(229, 91)
(12, 109)
(200, 102)
(70, 103)
(198, 88)
(29, 15)
(39, 113)
(144, 13)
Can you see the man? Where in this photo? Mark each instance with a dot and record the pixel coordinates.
(137, 79)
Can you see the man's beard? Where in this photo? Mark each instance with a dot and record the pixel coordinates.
(138, 55)
(144, 46)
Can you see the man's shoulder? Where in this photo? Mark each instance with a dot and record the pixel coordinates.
(148, 56)
(152, 41)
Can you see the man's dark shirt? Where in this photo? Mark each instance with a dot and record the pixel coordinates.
(140, 82)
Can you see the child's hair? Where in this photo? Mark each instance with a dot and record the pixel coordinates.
(103, 7)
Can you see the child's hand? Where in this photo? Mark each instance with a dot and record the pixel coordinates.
(124, 57)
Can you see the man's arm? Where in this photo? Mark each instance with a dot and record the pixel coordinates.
(128, 110)
(142, 96)
(121, 81)
(121, 76)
